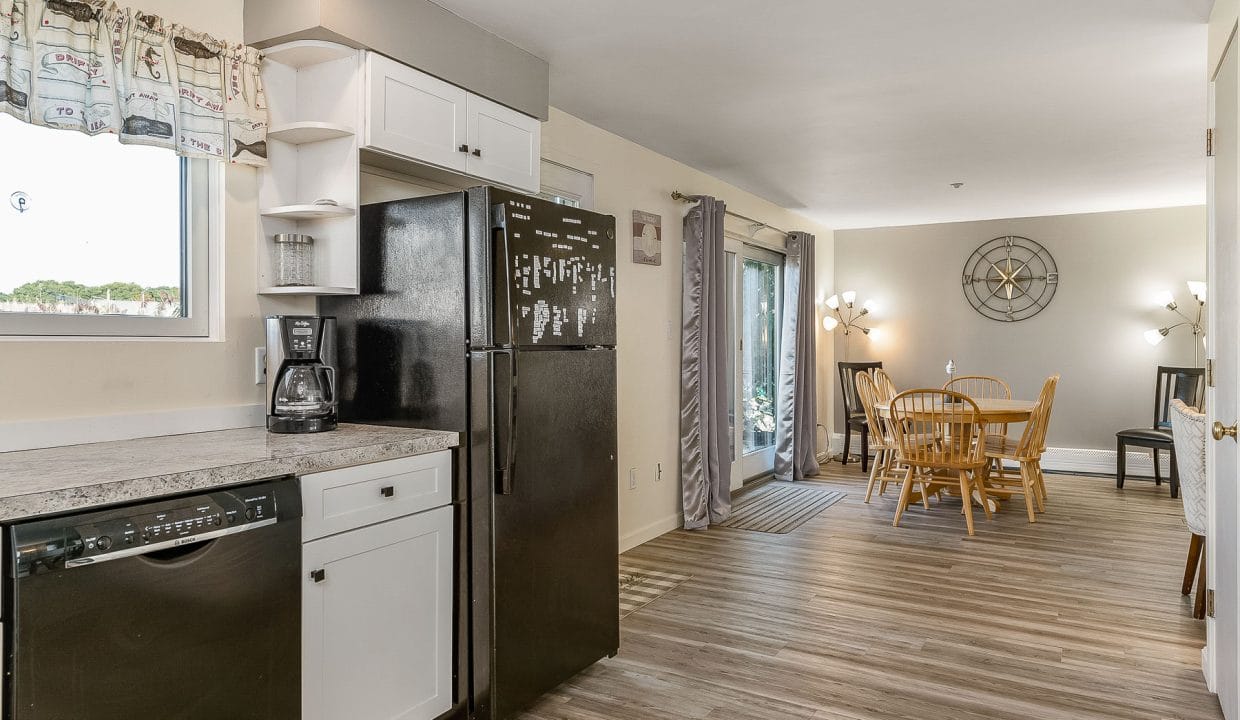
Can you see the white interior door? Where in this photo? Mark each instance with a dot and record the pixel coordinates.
(1223, 563)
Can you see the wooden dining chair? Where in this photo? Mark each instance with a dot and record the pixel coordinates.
(1173, 383)
(1189, 429)
(854, 415)
(886, 388)
(882, 438)
(1026, 452)
(940, 446)
(983, 387)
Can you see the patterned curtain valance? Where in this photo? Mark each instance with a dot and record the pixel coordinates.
(94, 67)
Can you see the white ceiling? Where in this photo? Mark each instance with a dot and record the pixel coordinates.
(860, 113)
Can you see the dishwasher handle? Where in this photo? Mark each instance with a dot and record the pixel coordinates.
(136, 550)
(166, 527)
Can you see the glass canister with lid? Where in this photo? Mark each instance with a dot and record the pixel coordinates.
(294, 259)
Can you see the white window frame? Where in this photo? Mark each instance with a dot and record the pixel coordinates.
(560, 180)
(200, 232)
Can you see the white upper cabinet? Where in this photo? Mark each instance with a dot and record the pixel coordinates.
(503, 144)
(412, 115)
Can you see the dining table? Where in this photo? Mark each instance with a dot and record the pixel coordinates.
(990, 411)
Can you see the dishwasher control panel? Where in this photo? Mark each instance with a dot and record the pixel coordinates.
(98, 537)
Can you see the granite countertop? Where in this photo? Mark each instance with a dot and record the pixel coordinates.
(54, 480)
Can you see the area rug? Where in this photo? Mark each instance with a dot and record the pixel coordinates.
(779, 507)
(640, 586)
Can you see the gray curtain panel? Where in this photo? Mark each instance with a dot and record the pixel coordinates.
(796, 424)
(705, 448)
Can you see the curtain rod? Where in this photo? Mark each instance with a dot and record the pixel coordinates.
(678, 195)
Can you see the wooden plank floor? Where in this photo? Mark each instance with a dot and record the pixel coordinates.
(847, 618)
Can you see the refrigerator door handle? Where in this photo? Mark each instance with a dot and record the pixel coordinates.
(501, 227)
(508, 454)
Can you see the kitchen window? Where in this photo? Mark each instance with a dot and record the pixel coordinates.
(102, 239)
(564, 185)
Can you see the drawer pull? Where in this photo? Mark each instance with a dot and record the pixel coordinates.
(462, 148)
(477, 152)
(387, 491)
(318, 575)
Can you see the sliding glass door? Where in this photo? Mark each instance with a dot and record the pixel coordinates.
(755, 285)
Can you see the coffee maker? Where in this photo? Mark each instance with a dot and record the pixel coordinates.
(301, 374)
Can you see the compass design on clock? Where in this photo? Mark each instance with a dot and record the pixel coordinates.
(1010, 278)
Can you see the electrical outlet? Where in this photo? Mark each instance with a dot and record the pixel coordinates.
(632, 478)
(260, 366)
(658, 472)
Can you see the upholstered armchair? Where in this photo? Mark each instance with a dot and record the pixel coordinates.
(1189, 431)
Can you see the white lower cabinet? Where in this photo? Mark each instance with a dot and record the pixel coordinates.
(377, 621)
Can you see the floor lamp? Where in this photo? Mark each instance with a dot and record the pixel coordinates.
(847, 317)
(1167, 300)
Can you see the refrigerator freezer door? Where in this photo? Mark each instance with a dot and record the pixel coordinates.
(556, 604)
(402, 341)
(556, 269)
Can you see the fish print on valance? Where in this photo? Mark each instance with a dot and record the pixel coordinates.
(94, 67)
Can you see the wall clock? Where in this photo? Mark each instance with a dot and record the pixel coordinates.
(1010, 278)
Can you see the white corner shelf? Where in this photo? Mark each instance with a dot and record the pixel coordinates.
(306, 290)
(310, 131)
(303, 53)
(308, 212)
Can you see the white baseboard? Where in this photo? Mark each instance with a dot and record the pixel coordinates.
(1207, 670)
(1102, 462)
(1068, 460)
(32, 434)
(651, 531)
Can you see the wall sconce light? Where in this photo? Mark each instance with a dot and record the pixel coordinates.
(1167, 300)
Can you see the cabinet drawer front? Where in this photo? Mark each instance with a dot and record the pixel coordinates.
(339, 500)
(414, 115)
(377, 621)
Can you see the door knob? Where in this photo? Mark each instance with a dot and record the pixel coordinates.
(1221, 431)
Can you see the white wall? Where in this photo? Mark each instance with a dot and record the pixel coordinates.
(59, 379)
(630, 177)
(1110, 265)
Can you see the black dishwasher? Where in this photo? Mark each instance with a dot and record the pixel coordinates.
(180, 609)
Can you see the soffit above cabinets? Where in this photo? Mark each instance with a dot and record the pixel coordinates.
(418, 33)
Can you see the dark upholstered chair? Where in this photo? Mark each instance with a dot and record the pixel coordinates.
(1174, 383)
(854, 414)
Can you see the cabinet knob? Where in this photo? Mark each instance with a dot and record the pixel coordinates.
(318, 575)
(387, 491)
(463, 148)
(477, 152)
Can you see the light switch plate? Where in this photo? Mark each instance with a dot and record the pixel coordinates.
(632, 478)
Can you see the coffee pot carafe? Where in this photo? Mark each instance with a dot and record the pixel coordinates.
(301, 374)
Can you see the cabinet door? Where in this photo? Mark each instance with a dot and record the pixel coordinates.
(504, 145)
(377, 624)
(414, 115)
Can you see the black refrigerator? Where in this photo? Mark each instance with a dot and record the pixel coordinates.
(493, 314)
